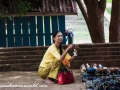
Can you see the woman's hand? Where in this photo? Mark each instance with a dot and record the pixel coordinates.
(76, 47)
(71, 46)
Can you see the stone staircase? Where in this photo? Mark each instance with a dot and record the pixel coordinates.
(21, 58)
(29, 58)
(108, 54)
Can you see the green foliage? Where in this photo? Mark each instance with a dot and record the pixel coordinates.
(109, 0)
(108, 10)
(1, 6)
(21, 7)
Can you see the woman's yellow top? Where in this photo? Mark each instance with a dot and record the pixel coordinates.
(52, 54)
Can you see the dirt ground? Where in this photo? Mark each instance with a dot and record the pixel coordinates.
(30, 80)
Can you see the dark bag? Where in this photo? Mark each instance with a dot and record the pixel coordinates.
(65, 76)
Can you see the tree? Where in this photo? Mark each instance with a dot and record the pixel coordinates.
(94, 17)
(114, 28)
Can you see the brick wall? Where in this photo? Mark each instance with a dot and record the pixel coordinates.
(29, 58)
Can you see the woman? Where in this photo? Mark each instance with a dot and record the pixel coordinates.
(55, 58)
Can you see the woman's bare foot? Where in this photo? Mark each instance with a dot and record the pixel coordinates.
(49, 81)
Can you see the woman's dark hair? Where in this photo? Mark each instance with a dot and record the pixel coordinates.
(54, 35)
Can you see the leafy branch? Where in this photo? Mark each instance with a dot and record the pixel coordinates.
(20, 7)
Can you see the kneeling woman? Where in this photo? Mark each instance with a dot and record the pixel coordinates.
(55, 58)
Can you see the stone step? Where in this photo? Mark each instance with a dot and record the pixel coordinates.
(9, 49)
(34, 66)
(98, 57)
(30, 48)
(94, 49)
(98, 53)
(21, 57)
(16, 61)
(108, 63)
(19, 67)
(39, 51)
(12, 53)
(117, 44)
(80, 56)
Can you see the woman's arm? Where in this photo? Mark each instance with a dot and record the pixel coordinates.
(72, 58)
(66, 51)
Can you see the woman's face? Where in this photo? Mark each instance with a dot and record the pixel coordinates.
(58, 38)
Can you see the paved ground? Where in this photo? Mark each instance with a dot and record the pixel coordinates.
(31, 78)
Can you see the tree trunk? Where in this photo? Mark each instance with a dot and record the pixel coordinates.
(82, 8)
(95, 19)
(114, 29)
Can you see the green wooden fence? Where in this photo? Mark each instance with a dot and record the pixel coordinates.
(30, 31)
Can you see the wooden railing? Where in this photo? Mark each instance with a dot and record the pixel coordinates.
(30, 31)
